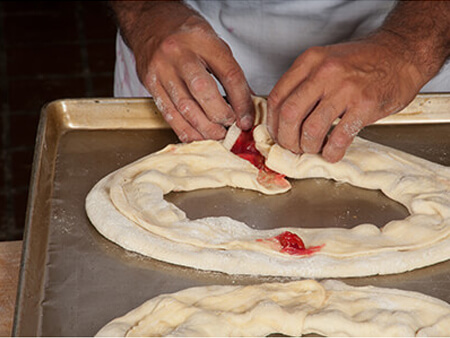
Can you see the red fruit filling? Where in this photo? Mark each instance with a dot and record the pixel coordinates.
(245, 148)
(293, 245)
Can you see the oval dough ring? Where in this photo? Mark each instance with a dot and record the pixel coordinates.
(330, 308)
(128, 207)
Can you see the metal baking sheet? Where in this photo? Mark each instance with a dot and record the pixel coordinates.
(73, 280)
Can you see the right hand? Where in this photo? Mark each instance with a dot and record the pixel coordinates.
(177, 53)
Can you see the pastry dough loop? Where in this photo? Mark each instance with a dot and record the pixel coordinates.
(128, 207)
(331, 308)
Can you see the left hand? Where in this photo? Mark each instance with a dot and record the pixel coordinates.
(360, 82)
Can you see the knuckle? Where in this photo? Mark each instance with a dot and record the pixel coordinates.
(330, 67)
(227, 52)
(150, 79)
(313, 53)
(200, 84)
(299, 95)
(313, 129)
(186, 107)
(170, 45)
(234, 76)
(273, 100)
(289, 111)
(168, 115)
(160, 104)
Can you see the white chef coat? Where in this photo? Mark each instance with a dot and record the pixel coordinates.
(266, 36)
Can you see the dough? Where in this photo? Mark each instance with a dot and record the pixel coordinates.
(128, 207)
(331, 308)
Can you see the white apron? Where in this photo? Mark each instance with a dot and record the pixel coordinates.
(266, 36)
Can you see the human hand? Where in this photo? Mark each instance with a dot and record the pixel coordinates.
(360, 82)
(177, 53)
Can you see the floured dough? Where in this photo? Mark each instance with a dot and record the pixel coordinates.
(330, 308)
(128, 207)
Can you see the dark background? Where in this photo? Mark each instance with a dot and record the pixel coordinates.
(48, 50)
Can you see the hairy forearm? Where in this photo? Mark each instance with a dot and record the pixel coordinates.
(139, 20)
(421, 29)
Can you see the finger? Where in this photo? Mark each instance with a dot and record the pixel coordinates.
(204, 90)
(184, 131)
(230, 75)
(342, 136)
(317, 124)
(297, 73)
(278, 96)
(292, 113)
(191, 111)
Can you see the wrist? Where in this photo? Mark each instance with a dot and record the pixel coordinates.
(407, 54)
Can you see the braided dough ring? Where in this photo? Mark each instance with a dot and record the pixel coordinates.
(128, 207)
(331, 308)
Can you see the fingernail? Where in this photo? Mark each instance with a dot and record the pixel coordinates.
(246, 122)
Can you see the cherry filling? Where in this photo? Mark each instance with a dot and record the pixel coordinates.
(245, 148)
(293, 244)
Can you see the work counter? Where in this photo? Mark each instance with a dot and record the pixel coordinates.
(10, 256)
